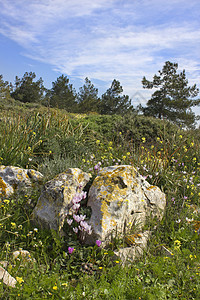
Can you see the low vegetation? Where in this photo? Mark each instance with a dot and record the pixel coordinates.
(50, 141)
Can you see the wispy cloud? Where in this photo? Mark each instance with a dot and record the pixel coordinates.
(106, 39)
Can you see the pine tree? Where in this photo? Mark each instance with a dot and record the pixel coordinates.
(173, 98)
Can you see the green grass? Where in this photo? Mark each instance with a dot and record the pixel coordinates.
(51, 141)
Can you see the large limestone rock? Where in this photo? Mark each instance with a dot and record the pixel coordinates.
(118, 197)
(56, 196)
(14, 179)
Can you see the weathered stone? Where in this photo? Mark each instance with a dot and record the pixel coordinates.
(120, 196)
(128, 254)
(14, 179)
(7, 278)
(56, 196)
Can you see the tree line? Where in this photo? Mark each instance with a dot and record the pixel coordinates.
(173, 98)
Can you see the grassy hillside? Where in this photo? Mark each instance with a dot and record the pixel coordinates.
(51, 141)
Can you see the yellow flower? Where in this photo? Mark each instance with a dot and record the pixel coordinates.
(143, 139)
(110, 143)
(177, 242)
(128, 153)
(64, 284)
(20, 280)
(191, 144)
(83, 160)
(120, 133)
(152, 146)
(117, 262)
(123, 157)
(13, 225)
(100, 268)
(55, 287)
(97, 142)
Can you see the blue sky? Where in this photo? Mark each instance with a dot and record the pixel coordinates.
(99, 39)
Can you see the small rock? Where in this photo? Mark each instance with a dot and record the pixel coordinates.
(7, 278)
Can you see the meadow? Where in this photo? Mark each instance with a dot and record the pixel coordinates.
(50, 141)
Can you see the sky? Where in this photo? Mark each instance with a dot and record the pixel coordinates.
(100, 39)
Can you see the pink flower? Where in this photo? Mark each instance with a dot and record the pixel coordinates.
(70, 250)
(75, 230)
(75, 206)
(69, 221)
(97, 166)
(98, 243)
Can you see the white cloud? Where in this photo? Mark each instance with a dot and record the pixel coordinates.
(104, 39)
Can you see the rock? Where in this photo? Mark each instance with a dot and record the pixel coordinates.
(7, 278)
(120, 196)
(14, 179)
(128, 254)
(56, 196)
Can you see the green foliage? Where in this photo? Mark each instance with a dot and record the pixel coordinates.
(173, 98)
(112, 102)
(28, 90)
(164, 155)
(62, 94)
(88, 100)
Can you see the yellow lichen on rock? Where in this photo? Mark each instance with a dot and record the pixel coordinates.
(3, 187)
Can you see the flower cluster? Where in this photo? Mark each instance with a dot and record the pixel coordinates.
(81, 225)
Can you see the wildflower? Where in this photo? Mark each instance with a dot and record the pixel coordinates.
(117, 262)
(128, 153)
(13, 225)
(84, 226)
(98, 243)
(75, 229)
(35, 229)
(97, 142)
(124, 157)
(55, 287)
(20, 280)
(97, 166)
(64, 284)
(180, 136)
(100, 268)
(70, 250)
(75, 206)
(6, 201)
(143, 139)
(69, 221)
